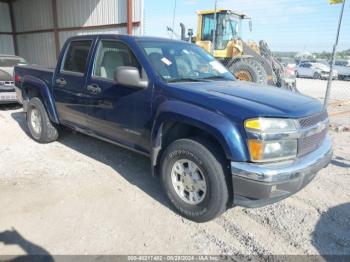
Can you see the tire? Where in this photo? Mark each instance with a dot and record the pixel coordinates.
(251, 68)
(297, 74)
(211, 169)
(40, 127)
(317, 76)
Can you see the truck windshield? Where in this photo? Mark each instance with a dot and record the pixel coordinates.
(183, 62)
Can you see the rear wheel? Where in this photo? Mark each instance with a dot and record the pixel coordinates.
(39, 124)
(194, 179)
(317, 76)
(249, 70)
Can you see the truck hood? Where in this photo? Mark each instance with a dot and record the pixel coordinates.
(242, 100)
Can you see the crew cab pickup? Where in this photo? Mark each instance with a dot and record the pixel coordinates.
(214, 141)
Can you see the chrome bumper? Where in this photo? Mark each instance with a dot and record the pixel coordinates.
(19, 95)
(261, 184)
(8, 97)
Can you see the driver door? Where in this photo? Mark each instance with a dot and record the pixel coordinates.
(117, 112)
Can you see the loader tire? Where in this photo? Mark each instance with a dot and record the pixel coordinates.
(249, 70)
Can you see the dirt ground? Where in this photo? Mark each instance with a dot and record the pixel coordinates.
(80, 195)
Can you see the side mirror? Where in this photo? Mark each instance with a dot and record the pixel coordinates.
(251, 25)
(129, 76)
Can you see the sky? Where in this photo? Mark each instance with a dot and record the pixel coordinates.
(286, 25)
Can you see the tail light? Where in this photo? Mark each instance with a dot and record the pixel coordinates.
(17, 78)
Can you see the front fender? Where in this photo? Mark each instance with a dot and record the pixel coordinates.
(45, 93)
(225, 131)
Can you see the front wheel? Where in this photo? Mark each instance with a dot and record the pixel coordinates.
(194, 179)
(40, 127)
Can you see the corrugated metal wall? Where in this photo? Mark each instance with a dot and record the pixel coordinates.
(38, 48)
(91, 12)
(6, 41)
(138, 15)
(6, 45)
(34, 15)
(5, 22)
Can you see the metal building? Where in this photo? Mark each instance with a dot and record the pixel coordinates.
(37, 29)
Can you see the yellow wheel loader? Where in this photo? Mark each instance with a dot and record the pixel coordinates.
(219, 32)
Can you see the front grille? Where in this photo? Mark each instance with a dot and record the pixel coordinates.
(309, 144)
(313, 120)
(7, 86)
(6, 83)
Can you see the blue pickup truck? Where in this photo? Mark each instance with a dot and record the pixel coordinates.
(214, 141)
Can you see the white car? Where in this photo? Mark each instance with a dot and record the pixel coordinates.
(314, 70)
(343, 68)
(7, 87)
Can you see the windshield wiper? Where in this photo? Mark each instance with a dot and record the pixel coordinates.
(217, 78)
(186, 79)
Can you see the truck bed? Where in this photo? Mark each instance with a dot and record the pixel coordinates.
(42, 73)
(45, 74)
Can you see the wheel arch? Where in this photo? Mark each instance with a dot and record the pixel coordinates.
(35, 87)
(180, 120)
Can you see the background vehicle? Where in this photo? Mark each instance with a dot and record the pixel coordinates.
(7, 87)
(211, 138)
(246, 60)
(343, 69)
(290, 76)
(314, 70)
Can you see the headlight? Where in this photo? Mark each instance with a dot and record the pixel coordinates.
(270, 125)
(262, 150)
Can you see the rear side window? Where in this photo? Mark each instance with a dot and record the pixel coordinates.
(76, 57)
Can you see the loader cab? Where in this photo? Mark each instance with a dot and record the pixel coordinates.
(227, 29)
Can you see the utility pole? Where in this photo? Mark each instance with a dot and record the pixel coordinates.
(213, 46)
(173, 24)
(330, 80)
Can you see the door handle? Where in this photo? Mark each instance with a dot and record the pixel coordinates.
(94, 89)
(61, 82)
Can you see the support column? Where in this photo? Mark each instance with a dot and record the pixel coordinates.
(55, 27)
(130, 19)
(13, 26)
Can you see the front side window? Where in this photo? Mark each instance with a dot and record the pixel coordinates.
(110, 55)
(341, 63)
(76, 56)
(180, 61)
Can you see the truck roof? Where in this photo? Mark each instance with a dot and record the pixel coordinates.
(121, 36)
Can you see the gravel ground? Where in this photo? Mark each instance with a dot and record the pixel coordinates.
(339, 102)
(317, 88)
(83, 196)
